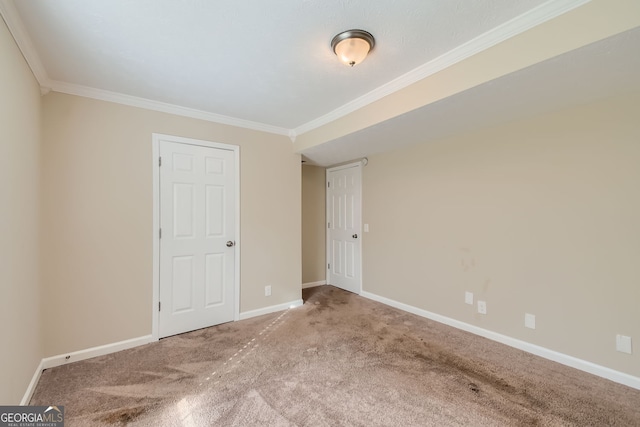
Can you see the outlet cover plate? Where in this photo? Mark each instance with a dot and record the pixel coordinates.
(267, 291)
(468, 298)
(623, 344)
(482, 307)
(530, 320)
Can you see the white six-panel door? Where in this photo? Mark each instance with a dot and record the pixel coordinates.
(343, 227)
(197, 223)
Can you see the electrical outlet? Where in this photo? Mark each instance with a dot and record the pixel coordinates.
(468, 298)
(482, 307)
(267, 291)
(623, 344)
(530, 320)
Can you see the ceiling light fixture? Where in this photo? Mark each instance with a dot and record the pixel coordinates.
(352, 46)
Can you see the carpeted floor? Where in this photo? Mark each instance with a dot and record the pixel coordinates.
(339, 360)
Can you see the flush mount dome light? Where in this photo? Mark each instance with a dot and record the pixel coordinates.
(352, 46)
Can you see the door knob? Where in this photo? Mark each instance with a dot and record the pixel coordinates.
(355, 236)
(230, 243)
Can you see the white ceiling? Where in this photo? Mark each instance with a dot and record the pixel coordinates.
(268, 65)
(268, 62)
(610, 67)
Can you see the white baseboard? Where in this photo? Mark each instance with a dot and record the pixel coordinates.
(313, 284)
(270, 309)
(32, 385)
(62, 359)
(75, 356)
(574, 362)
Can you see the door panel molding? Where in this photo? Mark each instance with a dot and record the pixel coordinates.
(345, 258)
(156, 140)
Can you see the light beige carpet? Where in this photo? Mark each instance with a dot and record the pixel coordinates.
(339, 360)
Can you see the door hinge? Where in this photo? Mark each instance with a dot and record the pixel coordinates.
(159, 306)
(159, 161)
(328, 185)
(160, 233)
(328, 266)
(328, 225)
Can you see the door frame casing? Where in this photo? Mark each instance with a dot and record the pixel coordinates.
(155, 141)
(357, 165)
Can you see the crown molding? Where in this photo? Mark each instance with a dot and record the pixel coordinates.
(134, 101)
(21, 36)
(543, 13)
(25, 44)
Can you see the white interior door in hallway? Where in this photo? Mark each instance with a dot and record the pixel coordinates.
(197, 236)
(344, 227)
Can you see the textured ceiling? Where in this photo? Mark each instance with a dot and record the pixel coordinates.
(267, 65)
(267, 62)
(610, 67)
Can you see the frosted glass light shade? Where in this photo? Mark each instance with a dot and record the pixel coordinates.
(352, 46)
(352, 51)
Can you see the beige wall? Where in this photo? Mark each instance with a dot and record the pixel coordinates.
(19, 189)
(313, 228)
(97, 246)
(539, 216)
